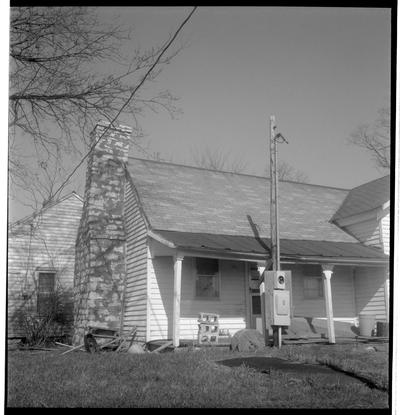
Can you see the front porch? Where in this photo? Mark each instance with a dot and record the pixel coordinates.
(322, 291)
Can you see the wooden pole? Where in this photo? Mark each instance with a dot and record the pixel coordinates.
(278, 250)
(273, 177)
(275, 250)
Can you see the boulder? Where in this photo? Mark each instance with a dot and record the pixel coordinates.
(135, 348)
(247, 340)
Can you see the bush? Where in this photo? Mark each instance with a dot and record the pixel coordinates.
(47, 325)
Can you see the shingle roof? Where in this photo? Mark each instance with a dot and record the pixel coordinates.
(189, 199)
(288, 247)
(363, 198)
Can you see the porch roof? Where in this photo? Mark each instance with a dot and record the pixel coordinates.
(369, 196)
(320, 251)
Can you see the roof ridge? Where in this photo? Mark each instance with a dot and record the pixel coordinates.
(238, 174)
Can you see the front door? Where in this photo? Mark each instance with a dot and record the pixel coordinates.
(255, 299)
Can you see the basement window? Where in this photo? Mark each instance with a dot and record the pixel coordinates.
(313, 288)
(207, 278)
(45, 294)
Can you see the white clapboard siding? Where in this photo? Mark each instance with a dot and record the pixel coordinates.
(369, 291)
(342, 292)
(367, 232)
(50, 243)
(385, 224)
(230, 306)
(135, 297)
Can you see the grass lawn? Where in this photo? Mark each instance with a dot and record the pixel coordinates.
(190, 379)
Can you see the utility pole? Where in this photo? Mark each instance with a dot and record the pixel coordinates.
(274, 197)
(274, 213)
(270, 286)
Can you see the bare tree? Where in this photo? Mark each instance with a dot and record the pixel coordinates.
(288, 172)
(218, 160)
(375, 138)
(66, 73)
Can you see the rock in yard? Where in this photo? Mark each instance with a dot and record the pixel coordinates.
(247, 340)
(135, 348)
(370, 349)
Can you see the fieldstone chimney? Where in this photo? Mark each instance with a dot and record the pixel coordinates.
(100, 245)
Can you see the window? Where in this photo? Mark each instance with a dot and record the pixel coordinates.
(256, 304)
(45, 292)
(207, 278)
(313, 288)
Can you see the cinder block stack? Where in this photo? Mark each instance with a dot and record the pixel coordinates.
(208, 328)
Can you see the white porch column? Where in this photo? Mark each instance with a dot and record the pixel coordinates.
(177, 299)
(387, 292)
(327, 270)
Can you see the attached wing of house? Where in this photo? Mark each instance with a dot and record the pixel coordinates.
(365, 213)
(160, 243)
(41, 259)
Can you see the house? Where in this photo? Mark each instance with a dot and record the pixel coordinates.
(159, 243)
(41, 257)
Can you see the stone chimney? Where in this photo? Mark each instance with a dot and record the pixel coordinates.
(100, 245)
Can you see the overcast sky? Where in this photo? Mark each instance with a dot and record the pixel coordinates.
(320, 71)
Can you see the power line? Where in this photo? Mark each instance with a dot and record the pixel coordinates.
(126, 103)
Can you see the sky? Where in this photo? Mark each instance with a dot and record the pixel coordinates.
(320, 71)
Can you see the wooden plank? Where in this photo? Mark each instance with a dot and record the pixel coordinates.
(74, 348)
(164, 346)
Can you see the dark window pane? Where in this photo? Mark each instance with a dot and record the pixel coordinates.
(206, 266)
(45, 297)
(256, 304)
(206, 286)
(46, 282)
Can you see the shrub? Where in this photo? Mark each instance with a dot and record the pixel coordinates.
(43, 327)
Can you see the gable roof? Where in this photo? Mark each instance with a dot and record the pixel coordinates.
(368, 196)
(195, 200)
(27, 219)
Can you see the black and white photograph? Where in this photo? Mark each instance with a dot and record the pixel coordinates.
(199, 207)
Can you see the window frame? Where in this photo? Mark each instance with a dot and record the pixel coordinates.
(218, 279)
(320, 295)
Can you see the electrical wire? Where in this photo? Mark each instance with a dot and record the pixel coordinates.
(125, 104)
